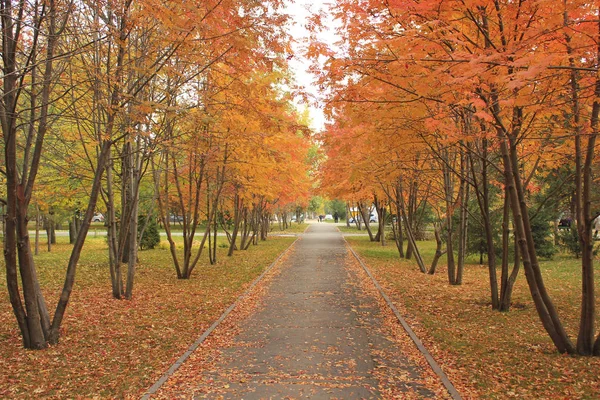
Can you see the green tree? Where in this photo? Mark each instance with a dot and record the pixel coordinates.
(148, 234)
(316, 205)
(541, 230)
(336, 206)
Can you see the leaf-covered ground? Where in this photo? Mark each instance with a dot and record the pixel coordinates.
(117, 349)
(488, 354)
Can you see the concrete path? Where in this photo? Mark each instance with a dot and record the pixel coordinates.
(316, 335)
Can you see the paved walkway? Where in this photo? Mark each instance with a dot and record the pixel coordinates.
(316, 335)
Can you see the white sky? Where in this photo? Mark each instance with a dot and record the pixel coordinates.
(300, 10)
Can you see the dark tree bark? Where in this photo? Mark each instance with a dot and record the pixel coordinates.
(439, 252)
(348, 215)
(37, 229)
(363, 209)
(482, 193)
(508, 148)
(382, 216)
(463, 201)
(449, 225)
(396, 218)
(584, 160)
(380, 209)
(407, 226)
(237, 219)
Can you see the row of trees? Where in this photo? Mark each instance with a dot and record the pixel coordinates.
(441, 104)
(145, 109)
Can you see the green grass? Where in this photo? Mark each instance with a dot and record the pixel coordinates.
(293, 227)
(378, 251)
(354, 229)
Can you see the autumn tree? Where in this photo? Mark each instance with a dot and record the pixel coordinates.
(34, 55)
(497, 69)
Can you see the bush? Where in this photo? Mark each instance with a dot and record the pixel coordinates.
(151, 237)
(165, 245)
(541, 230)
(389, 235)
(569, 240)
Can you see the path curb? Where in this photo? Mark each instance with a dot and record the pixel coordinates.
(432, 363)
(161, 381)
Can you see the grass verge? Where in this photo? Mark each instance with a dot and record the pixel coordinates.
(353, 229)
(488, 354)
(117, 349)
(293, 227)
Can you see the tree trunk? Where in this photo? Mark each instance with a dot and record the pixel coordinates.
(438, 250)
(73, 229)
(134, 179)
(348, 215)
(505, 247)
(399, 231)
(507, 281)
(449, 195)
(377, 205)
(544, 305)
(78, 245)
(264, 231)
(463, 221)
(245, 231)
(49, 233)
(237, 218)
(364, 214)
(482, 191)
(114, 259)
(409, 233)
(584, 160)
(381, 231)
(37, 229)
(126, 201)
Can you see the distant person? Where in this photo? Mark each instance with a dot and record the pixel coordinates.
(564, 223)
(321, 218)
(336, 217)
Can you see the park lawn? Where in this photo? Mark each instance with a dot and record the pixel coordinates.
(115, 349)
(293, 228)
(352, 229)
(488, 354)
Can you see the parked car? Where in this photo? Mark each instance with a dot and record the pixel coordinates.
(328, 217)
(293, 219)
(98, 217)
(353, 220)
(175, 218)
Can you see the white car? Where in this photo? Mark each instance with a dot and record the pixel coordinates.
(328, 217)
(372, 218)
(98, 217)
